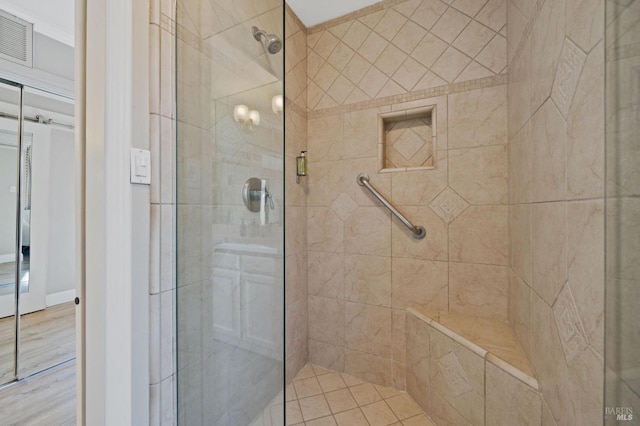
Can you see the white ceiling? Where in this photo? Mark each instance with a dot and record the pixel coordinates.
(53, 18)
(316, 12)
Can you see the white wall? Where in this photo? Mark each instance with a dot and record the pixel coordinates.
(52, 70)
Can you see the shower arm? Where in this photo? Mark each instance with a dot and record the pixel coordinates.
(417, 232)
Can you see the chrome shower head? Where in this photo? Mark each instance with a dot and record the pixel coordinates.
(271, 41)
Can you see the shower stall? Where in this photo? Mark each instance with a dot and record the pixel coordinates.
(404, 213)
(230, 211)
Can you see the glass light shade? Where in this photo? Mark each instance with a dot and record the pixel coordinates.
(254, 116)
(277, 104)
(241, 113)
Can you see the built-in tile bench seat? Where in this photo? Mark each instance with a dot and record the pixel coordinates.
(467, 370)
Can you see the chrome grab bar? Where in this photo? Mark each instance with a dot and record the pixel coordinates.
(417, 232)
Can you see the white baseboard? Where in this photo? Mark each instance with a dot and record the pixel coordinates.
(61, 297)
(6, 258)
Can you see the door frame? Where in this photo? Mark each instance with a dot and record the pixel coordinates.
(112, 116)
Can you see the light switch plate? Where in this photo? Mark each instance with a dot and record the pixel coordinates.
(140, 166)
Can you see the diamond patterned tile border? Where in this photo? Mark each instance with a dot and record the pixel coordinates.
(414, 45)
(448, 205)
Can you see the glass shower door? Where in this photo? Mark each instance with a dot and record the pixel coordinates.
(230, 198)
(622, 321)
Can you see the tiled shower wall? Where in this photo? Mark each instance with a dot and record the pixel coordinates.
(296, 315)
(364, 266)
(162, 271)
(556, 212)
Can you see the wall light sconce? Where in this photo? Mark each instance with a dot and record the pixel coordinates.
(277, 104)
(243, 115)
(301, 165)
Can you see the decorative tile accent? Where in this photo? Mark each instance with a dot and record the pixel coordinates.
(448, 205)
(572, 335)
(454, 374)
(567, 75)
(408, 140)
(404, 46)
(343, 206)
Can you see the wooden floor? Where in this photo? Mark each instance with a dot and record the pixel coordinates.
(47, 339)
(48, 400)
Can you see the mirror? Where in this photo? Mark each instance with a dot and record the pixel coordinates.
(10, 99)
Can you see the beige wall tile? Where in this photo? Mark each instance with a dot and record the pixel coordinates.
(586, 26)
(494, 55)
(520, 166)
(419, 188)
(479, 290)
(442, 413)
(547, 358)
(368, 231)
(516, 28)
(509, 401)
(546, 44)
(417, 336)
(326, 274)
(549, 249)
(325, 182)
(450, 25)
(429, 49)
(520, 307)
(478, 117)
(520, 88)
(419, 283)
(585, 266)
(398, 335)
(326, 355)
(369, 367)
(548, 136)
(326, 320)
(428, 12)
(457, 376)
(521, 237)
(368, 279)
(451, 63)
(325, 138)
(368, 329)
(493, 14)
(585, 138)
(479, 175)
(361, 133)
(480, 235)
(369, 166)
(473, 38)
(434, 246)
(324, 230)
(474, 71)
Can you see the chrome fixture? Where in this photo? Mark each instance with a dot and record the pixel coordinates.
(272, 42)
(301, 165)
(417, 232)
(255, 194)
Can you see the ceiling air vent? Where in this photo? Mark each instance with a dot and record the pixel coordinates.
(16, 39)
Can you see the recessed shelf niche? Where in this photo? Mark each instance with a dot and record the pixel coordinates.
(407, 140)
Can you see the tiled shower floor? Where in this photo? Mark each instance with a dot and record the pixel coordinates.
(321, 397)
